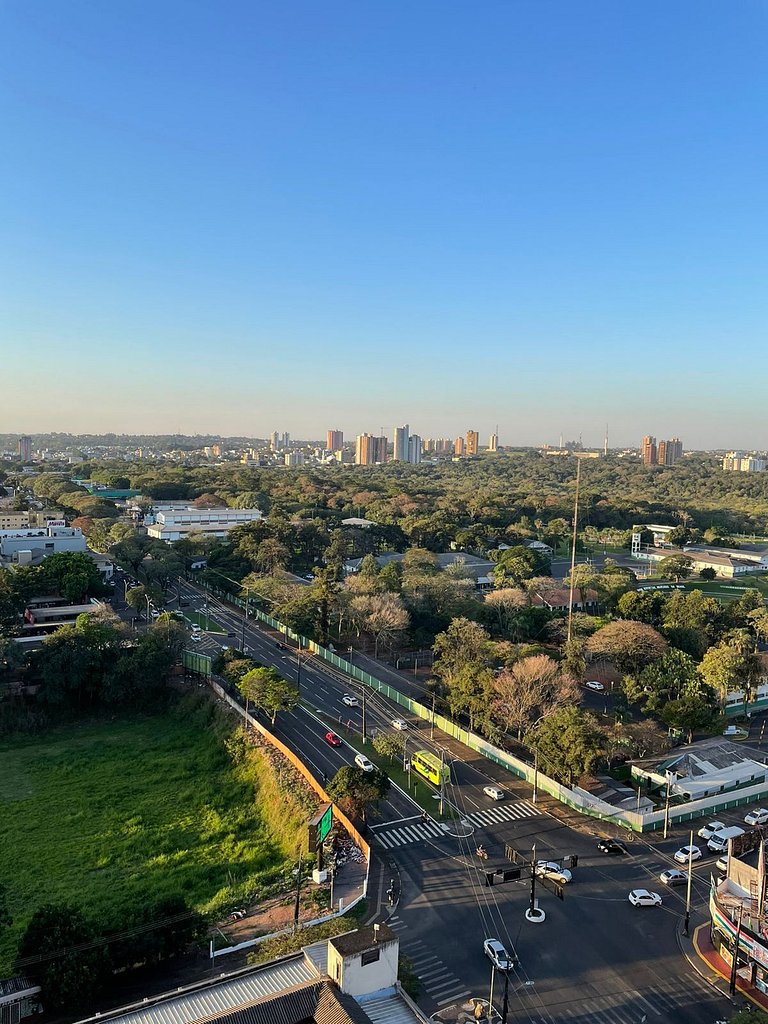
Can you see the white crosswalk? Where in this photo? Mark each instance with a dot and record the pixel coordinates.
(438, 984)
(661, 1004)
(419, 830)
(503, 812)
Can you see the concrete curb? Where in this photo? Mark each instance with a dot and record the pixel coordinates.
(690, 954)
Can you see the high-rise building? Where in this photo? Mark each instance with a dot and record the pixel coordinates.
(294, 458)
(458, 446)
(473, 442)
(400, 443)
(25, 448)
(369, 449)
(493, 443)
(335, 440)
(665, 453)
(286, 439)
(648, 450)
(673, 451)
(740, 462)
(414, 449)
(274, 440)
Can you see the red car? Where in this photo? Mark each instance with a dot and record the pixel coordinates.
(333, 739)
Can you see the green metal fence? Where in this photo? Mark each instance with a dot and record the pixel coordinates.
(191, 661)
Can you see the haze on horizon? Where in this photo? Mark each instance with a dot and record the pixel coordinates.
(304, 216)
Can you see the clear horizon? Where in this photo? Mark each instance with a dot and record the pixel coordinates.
(541, 216)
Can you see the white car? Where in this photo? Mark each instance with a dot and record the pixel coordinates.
(362, 762)
(497, 954)
(711, 829)
(194, 637)
(687, 853)
(593, 684)
(399, 724)
(549, 869)
(349, 700)
(494, 792)
(644, 898)
(757, 817)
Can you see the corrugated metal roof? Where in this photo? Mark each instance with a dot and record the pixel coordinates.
(318, 954)
(218, 997)
(389, 1009)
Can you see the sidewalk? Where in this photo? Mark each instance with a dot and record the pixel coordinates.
(702, 956)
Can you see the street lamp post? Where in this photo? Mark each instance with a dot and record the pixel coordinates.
(687, 919)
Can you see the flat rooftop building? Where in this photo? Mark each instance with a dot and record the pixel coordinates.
(211, 522)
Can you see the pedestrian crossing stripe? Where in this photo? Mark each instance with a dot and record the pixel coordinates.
(433, 830)
(494, 815)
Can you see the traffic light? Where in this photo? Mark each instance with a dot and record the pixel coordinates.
(490, 878)
(511, 874)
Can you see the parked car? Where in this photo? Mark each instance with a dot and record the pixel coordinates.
(673, 876)
(711, 829)
(612, 847)
(757, 817)
(399, 724)
(594, 684)
(494, 792)
(362, 762)
(333, 739)
(722, 864)
(686, 853)
(644, 898)
(549, 869)
(194, 637)
(349, 700)
(497, 954)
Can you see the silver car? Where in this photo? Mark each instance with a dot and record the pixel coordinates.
(497, 954)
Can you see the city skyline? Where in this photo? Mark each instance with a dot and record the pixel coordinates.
(550, 223)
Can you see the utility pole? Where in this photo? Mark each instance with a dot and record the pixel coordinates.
(572, 551)
(666, 811)
(735, 964)
(535, 774)
(442, 779)
(687, 919)
(364, 737)
(245, 620)
(298, 668)
(505, 1004)
(298, 896)
(432, 726)
(490, 997)
(532, 908)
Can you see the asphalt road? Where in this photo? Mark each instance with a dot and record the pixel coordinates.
(596, 959)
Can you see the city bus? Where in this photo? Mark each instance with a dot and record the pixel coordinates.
(431, 767)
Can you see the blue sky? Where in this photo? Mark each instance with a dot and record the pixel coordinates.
(242, 217)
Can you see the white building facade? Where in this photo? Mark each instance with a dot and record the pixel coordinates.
(211, 522)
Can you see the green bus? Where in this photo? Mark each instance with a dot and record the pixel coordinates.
(431, 767)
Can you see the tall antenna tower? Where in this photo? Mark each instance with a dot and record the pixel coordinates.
(605, 446)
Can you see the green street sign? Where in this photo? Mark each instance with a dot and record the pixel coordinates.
(320, 826)
(326, 823)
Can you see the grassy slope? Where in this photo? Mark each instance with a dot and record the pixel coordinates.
(111, 814)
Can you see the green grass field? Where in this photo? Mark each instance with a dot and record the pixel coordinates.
(108, 815)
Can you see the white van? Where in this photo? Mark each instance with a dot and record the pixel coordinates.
(719, 843)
